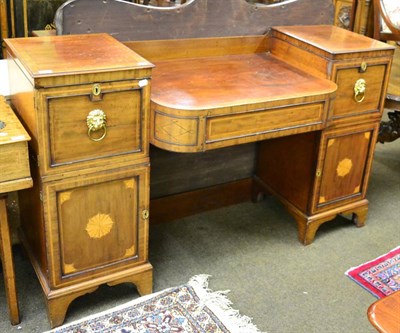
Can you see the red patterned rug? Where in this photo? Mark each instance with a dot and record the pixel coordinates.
(380, 276)
(189, 308)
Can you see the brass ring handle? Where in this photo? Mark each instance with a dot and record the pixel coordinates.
(90, 130)
(96, 120)
(359, 90)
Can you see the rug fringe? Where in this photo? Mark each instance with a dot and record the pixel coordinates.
(219, 303)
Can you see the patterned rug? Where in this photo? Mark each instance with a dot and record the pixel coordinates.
(380, 276)
(190, 308)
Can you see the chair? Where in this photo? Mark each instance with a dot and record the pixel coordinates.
(387, 29)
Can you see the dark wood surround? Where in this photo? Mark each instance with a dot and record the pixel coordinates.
(196, 18)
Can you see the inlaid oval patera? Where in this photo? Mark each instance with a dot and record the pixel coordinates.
(99, 225)
(344, 167)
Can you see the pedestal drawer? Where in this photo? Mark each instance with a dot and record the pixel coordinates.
(360, 87)
(83, 127)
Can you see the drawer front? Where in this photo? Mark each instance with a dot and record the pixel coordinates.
(350, 77)
(14, 163)
(238, 128)
(83, 130)
(344, 165)
(97, 224)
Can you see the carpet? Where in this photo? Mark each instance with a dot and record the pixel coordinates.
(380, 276)
(189, 308)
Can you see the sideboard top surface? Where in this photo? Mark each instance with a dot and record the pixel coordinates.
(62, 55)
(231, 80)
(332, 39)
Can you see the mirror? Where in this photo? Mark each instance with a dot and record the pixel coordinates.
(392, 14)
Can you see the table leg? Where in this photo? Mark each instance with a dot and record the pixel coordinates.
(8, 265)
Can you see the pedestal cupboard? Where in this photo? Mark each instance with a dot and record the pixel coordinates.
(330, 169)
(84, 100)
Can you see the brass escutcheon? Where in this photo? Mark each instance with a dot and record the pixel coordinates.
(363, 67)
(318, 173)
(96, 121)
(96, 90)
(359, 90)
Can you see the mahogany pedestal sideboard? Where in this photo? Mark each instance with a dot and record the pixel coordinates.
(85, 102)
(308, 94)
(15, 175)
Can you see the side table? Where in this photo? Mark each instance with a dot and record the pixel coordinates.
(14, 176)
(384, 314)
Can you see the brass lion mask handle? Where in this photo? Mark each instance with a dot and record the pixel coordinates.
(359, 90)
(96, 120)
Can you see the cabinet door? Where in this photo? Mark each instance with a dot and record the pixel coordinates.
(96, 224)
(344, 164)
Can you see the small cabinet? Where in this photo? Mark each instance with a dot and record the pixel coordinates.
(320, 175)
(85, 221)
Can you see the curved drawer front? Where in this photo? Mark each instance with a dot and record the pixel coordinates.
(183, 131)
(84, 130)
(254, 126)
